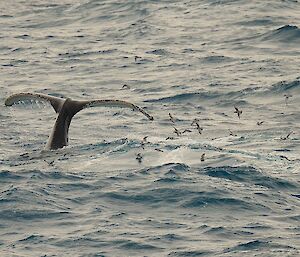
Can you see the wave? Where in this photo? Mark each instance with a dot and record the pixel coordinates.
(194, 253)
(166, 168)
(159, 52)
(207, 95)
(284, 86)
(249, 175)
(32, 238)
(217, 59)
(168, 187)
(6, 175)
(132, 245)
(223, 2)
(258, 244)
(17, 214)
(232, 97)
(256, 22)
(280, 89)
(286, 34)
(222, 202)
(223, 231)
(82, 53)
(152, 196)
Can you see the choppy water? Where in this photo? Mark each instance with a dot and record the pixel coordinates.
(195, 59)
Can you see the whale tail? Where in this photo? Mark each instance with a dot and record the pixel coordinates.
(66, 109)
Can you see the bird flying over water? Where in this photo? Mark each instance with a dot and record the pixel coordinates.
(171, 118)
(238, 112)
(287, 136)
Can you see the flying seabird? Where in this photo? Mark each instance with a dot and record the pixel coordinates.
(199, 128)
(177, 132)
(139, 157)
(203, 157)
(195, 121)
(171, 118)
(144, 141)
(259, 123)
(238, 112)
(186, 130)
(231, 133)
(125, 86)
(287, 136)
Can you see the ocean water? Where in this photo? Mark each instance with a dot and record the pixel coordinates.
(192, 59)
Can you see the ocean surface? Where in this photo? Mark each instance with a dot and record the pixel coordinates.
(127, 186)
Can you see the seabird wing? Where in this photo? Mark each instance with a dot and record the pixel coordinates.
(56, 102)
(114, 103)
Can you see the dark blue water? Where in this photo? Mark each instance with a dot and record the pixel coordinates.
(192, 59)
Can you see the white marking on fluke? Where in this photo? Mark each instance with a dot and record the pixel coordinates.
(66, 109)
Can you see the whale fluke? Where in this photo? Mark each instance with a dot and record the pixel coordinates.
(114, 103)
(66, 109)
(56, 102)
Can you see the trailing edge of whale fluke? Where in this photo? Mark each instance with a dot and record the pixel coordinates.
(66, 109)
